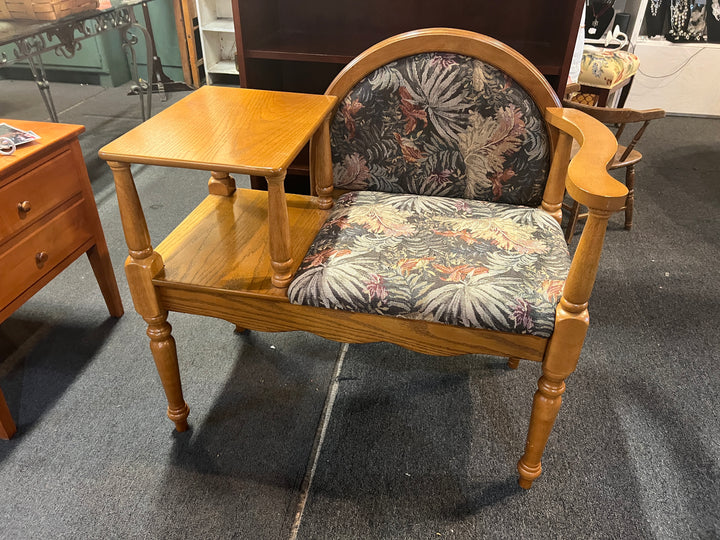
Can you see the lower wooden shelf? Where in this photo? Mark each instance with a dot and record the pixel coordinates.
(223, 244)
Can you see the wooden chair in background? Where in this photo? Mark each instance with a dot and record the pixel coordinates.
(626, 157)
(439, 162)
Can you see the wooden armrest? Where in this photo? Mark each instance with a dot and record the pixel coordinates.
(588, 181)
(608, 115)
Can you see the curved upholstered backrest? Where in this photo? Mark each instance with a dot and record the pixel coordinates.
(450, 118)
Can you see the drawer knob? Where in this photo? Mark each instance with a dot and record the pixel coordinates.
(24, 206)
(41, 258)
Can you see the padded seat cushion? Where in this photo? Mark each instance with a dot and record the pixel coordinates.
(453, 261)
(602, 68)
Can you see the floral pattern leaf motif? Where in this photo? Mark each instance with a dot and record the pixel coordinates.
(411, 111)
(420, 204)
(553, 289)
(507, 235)
(407, 118)
(522, 314)
(459, 273)
(484, 146)
(348, 110)
(405, 266)
(322, 257)
(352, 173)
(346, 273)
(385, 78)
(502, 232)
(382, 220)
(410, 151)
(441, 92)
(452, 261)
(480, 301)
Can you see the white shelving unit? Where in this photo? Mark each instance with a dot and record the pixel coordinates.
(217, 38)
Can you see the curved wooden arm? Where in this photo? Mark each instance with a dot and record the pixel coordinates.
(608, 115)
(587, 179)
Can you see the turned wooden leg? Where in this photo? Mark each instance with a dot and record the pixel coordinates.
(142, 264)
(280, 254)
(321, 175)
(162, 345)
(105, 275)
(565, 344)
(572, 221)
(546, 404)
(7, 426)
(630, 200)
(513, 362)
(221, 183)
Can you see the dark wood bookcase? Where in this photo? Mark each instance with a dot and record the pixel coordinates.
(301, 45)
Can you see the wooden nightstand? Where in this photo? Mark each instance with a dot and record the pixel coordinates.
(48, 218)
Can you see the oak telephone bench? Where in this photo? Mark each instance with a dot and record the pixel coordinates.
(439, 159)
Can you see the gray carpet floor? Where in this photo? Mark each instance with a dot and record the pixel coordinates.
(294, 436)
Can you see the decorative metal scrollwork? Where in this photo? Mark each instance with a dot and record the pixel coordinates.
(64, 39)
(65, 34)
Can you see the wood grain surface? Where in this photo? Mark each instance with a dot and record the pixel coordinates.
(223, 243)
(587, 179)
(226, 130)
(255, 313)
(50, 135)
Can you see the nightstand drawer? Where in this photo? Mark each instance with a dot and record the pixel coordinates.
(35, 255)
(36, 192)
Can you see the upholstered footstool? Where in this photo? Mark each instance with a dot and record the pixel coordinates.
(604, 72)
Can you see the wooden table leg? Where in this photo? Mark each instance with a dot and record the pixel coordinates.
(98, 255)
(7, 426)
(280, 258)
(141, 266)
(321, 175)
(221, 183)
(99, 258)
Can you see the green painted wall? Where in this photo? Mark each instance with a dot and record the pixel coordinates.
(166, 42)
(102, 59)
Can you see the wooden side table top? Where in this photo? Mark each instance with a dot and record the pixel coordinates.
(51, 134)
(234, 130)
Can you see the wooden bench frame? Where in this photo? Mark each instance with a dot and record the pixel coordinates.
(248, 288)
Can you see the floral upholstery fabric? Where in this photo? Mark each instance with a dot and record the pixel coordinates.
(445, 125)
(603, 68)
(454, 261)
